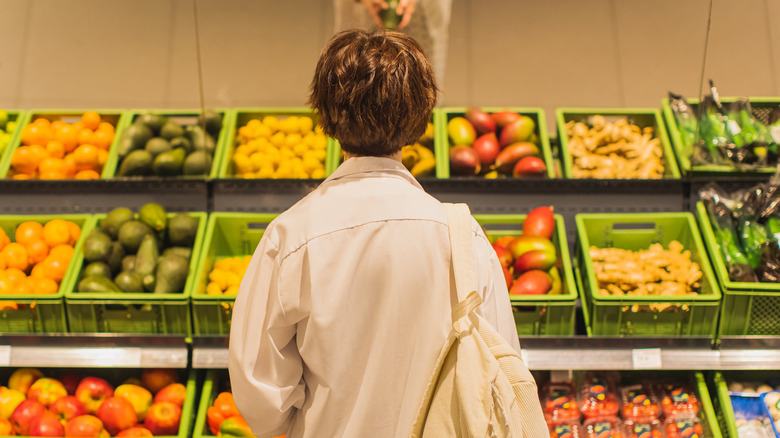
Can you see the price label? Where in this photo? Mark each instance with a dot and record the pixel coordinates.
(646, 358)
(5, 355)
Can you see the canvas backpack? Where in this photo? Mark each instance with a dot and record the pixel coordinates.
(480, 386)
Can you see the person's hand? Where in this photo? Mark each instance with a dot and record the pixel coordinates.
(373, 7)
(405, 9)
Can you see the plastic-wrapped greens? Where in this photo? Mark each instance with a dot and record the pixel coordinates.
(719, 209)
(686, 121)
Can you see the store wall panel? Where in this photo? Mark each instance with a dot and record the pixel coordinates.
(92, 53)
(773, 18)
(13, 20)
(455, 83)
(661, 46)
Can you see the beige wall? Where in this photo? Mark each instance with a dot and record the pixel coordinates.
(549, 53)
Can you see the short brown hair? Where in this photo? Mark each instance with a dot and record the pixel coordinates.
(374, 91)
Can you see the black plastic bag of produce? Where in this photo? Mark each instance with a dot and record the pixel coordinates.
(769, 268)
(752, 234)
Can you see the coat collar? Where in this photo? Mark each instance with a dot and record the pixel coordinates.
(372, 167)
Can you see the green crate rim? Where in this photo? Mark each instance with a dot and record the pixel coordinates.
(700, 300)
(16, 141)
(442, 141)
(706, 404)
(228, 147)
(51, 298)
(729, 287)
(566, 159)
(207, 397)
(74, 297)
(22, 118)
(676, 140)
(207, 240)
(583, 300)
(112, 165)
(563, 248)
(335, 156)
(725, 404)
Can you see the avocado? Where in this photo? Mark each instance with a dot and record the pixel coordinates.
(171, 130)
(154, 122)
(138, 134)
(97, 284)
(200, 139)
(149, 282)
(157, 145)
(153, 215)
(212, 120)
(171, 274)
(97, 246)
(146, 259)
(182, 229)
(125, 146)
(114, 219)
(182, 143)
(97, 269)
(169, 163)
(180, 251)
(197, 163)
(129, 281)
(136, 163)
(128, 262)
(116, 256)
(132, 233)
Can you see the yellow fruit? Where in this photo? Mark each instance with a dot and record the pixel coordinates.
(232, 290)
(243, 163)
(293, 139)
(318, 130)
(320, 154)
(320, 142)
(213, 289)
(290, 125)
(248, 175)
(254, 123)
(223, 264)
(271, 123)
(300, 149)
(277, 139)
(305, 124)
(258, 160)
(318, 174)
(311, 164)
(264, 132)
(265, 172)
(244, 149)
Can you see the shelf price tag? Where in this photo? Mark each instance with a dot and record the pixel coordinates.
(646, 358)
(5, 355)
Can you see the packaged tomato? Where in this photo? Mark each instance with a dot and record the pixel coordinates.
(564, 429)
(678, 399)
(640, 403)
(603, 427)
(644, 429)
(559, 402)
(684, 426)
(598, 398)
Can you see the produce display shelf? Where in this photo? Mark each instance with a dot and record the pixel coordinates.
(102, 350)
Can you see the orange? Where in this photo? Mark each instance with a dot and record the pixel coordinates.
(61, 252)
(56, 232)
(51, 175)
(87, 174)
(44, 285)
(37, 251)
(24, 160)
(55, 149)
(29, 232)
(102, 139)
(52, 165)
(6, 287)
(70, 165)
(102, 157)
(54, 268)
(36, 134)
(14, 275)
(16, 256)
(91, 120)
(86, 157)
(68, 136)
(4, 240)
(37, 271)
(85, 136)
(40, 121)
(39, 152)
(2, 263)
(20, 176)
(9, 305)
(57, 124)
(105, 126)
(75, 232)
(25, 287)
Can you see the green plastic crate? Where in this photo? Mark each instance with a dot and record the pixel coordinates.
(21, 118)
(443, 142)
(749, 308)
(227, 235)
(539, 314)
(243, 115)
(623, 315)
(131, 312)
(335, 155)
(642, 117)
(216, 381)
(722, 402)
(761, 107)
(180, 115)
(40, 313)
(118, 118)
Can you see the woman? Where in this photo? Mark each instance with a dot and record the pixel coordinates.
(346, 303)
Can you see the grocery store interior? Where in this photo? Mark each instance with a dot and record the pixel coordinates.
(619, 155)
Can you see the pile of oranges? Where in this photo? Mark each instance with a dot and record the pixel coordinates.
(36, 261)
(58, 150)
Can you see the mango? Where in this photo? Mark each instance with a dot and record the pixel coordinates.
(509, 156)
(461, 131)
(536, 259)
(483, 123)
(518, 131)
(534, 282)
(464, 161)
(487, 148)
(523, 244)
(529, 167)
(503, 118)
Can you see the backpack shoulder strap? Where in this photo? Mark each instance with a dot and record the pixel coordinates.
(459, 224)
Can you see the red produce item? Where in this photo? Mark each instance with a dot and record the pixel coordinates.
(678, 399)
(684, 426)
(644, 429)
(559, 402)
(603, 427)
(564, 429)
(639, 403)
(598, 398)
(539, 222)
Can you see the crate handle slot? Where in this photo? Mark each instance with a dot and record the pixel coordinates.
(503, 227)
(650, 226)
(257, 225)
